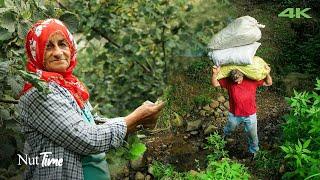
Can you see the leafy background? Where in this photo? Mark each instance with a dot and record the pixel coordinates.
(129, 50)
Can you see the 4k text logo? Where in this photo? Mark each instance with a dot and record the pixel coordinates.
(295, 13)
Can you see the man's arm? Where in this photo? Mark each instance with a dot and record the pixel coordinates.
(268, 79)
(214, 81)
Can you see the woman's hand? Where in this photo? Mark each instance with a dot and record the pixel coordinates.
(146, 115)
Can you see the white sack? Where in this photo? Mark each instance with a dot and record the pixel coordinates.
(242, 31)
(241, 55)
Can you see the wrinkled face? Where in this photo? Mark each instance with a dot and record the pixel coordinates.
(57, 54)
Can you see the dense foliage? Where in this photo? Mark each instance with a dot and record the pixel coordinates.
(129, 47)
(133, 60)
(301, 134)
(301, 53)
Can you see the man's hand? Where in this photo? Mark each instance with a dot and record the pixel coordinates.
(268, 79)
(215, 70)
(267, 67)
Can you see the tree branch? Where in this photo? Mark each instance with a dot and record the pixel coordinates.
(61, 5)
(9, 101)
(163, 45)
(143, 66)
(106, 37)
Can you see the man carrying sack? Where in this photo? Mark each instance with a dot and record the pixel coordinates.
(242, 101)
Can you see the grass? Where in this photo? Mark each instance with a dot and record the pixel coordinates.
(219, 166)
(190, 87)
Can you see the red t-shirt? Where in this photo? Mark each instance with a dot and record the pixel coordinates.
(242, 97)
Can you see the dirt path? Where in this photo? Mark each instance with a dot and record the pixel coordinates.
(186, 152)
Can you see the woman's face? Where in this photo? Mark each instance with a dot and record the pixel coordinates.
(57, 54)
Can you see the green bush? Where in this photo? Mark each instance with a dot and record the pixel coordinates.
(201, 100)
(165, 172)
(133, 149)
(219, 165)
(197, 69)
(301, 134)
(216, 145)
(225, 169)
(138, 43)
(267, 160)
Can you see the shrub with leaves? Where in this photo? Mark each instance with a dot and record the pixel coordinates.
(133, 53)
(219, 165)
(118, 158)
(161, 171)
(268, 161)
(131, 46)
(299, 156)
(132, 150)
(225, 169)
(216, 145)
(197, 69)
(202, 100)
(301, 134)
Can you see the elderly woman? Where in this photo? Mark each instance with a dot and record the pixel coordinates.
(61, 122)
